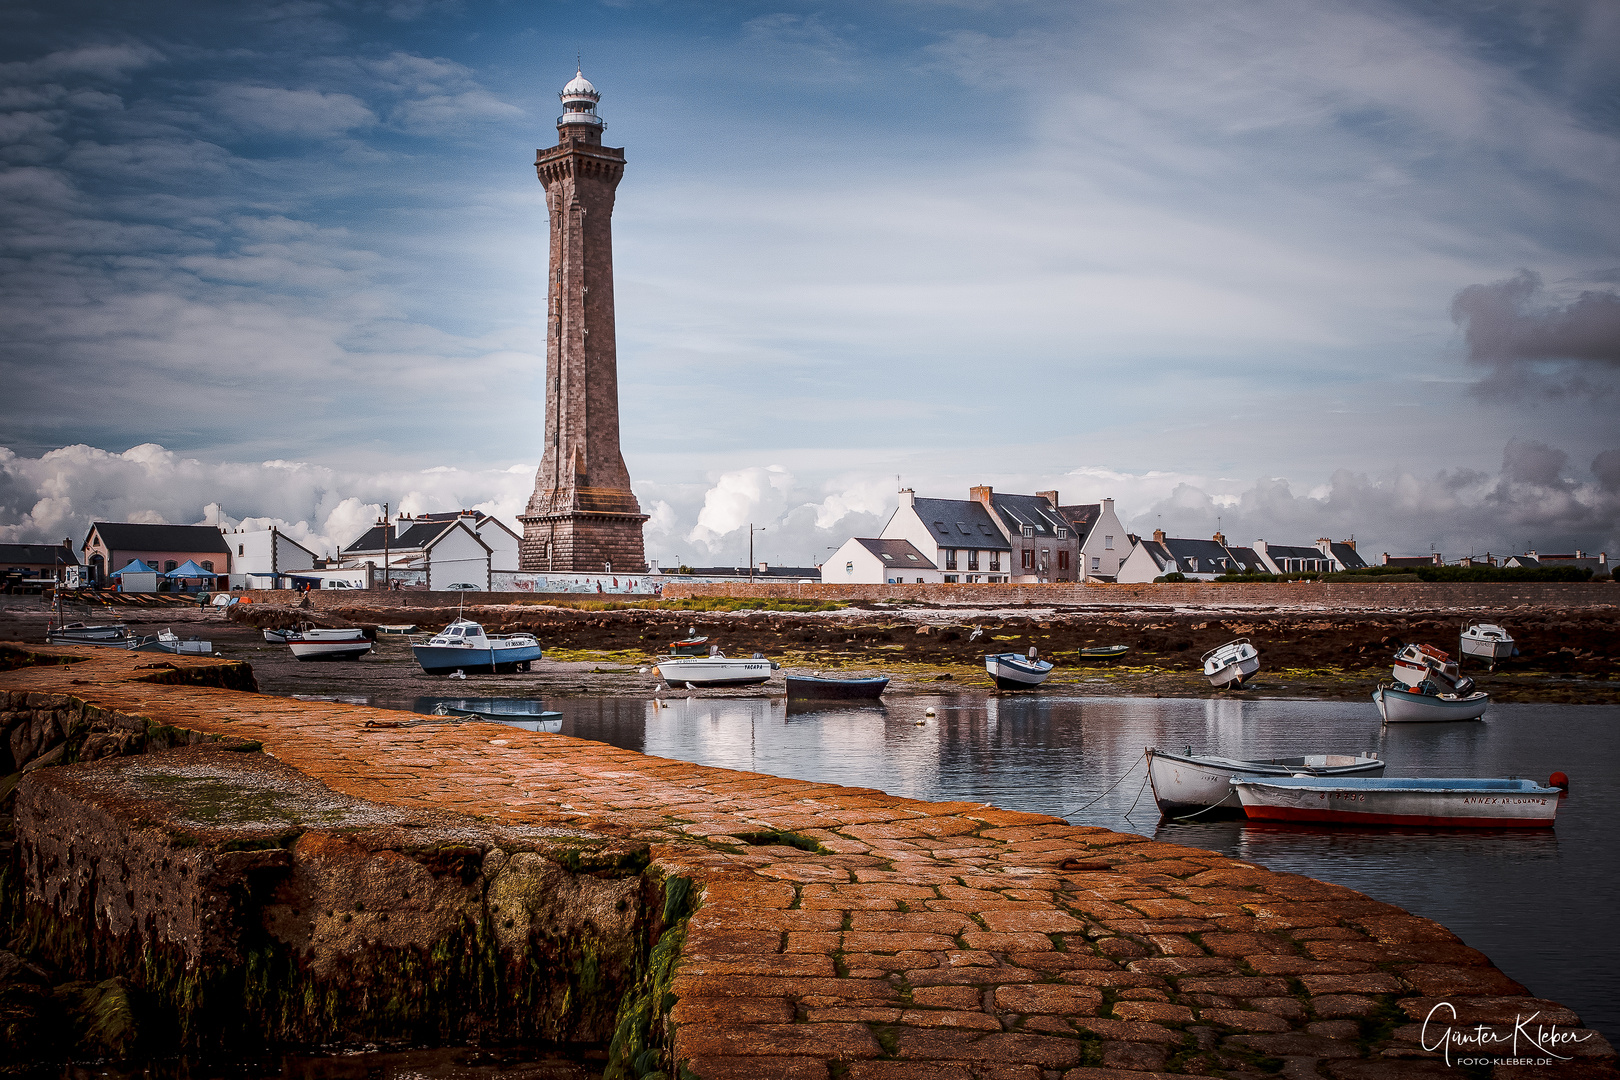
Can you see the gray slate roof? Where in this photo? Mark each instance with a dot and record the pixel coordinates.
(37, 555)
(1018, 511)
(898, 553)
(1249, 560)
(960, 523)
(1348, 557)
(1084, 518)
(417, 536)
(135, 536)
(1278, 551)
(1201, 556)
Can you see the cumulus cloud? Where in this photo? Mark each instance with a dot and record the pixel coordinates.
(58, 494)
(1559, 340)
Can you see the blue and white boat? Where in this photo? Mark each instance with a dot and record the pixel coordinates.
(463, 646)
(1014, 672)
(1427, 703)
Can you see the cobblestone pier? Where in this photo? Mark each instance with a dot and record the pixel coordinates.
(837, 932)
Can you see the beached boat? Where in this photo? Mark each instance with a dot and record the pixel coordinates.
(1460, 801)
(1486, 641)
(279, 637)
(192, 646)
(817, 687)
(1417, 664)
(346, 643)
(1427, 703)
(716, 669)
(1104, 652)
(1194, 783)
(1014, 672)
(397, 629)
(690, 646)
(108, 636)
(1231, 664)
(463, 646)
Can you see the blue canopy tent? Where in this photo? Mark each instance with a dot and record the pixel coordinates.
(189, 569)
(135, 567)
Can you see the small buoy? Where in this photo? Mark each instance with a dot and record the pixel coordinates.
(1558, 780)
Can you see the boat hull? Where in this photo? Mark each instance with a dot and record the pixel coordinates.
(1231, 664)
(352, 649)
(1407, 707)
(1451, 803)
(443, 659)
(712, 671)
(1483, 649)
(1187, 785)
(1013, 672)
(808, 686)
(1234, 674)
(1107, 652)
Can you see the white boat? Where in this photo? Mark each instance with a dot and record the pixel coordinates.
(110, 636)
(1425, 703)
(716, 669)
(1231, 664)
(1014, 672)
(279, 637)
(464, 646)
(189, 647)
(1461, 801)
(1486, 641)
(1418, 664)
(347, 643)
(1194, 783)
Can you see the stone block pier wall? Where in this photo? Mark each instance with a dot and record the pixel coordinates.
(263, 870)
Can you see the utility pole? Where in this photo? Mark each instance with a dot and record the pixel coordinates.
(751, 532)
(386, 531)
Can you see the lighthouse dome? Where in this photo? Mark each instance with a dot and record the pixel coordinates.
(579, 87)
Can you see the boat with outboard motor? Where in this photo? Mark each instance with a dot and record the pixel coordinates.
(1103, 652)
(107, 636)
(1202, 783)
(1421, 801)
(1013, 672)
(1427, 703)
(716, 669)
(464, 646)
(1231, 664)
(192, 646)
(1486, 641)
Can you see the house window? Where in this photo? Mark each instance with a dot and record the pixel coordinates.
(1192, 563)
(208, 565)
(940, 525)
(910, 556)
(1063, 534)
(950, 578)
(1108, 543)
(919, 581)
(241, 549)
(170, 565)
(973, 560)
(1029, 559)
(849, 567)
(1096, 564)
(995, 560)
(1063, 560)
(950, 559)
(1029, 530)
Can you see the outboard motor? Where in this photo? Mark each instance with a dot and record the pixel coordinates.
(1463, 686)
(1032, 653)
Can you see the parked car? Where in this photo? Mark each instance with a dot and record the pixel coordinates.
(462, 586)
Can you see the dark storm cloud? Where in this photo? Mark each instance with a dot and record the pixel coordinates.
(1532, 337)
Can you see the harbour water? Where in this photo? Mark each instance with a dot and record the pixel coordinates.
(1538, 902)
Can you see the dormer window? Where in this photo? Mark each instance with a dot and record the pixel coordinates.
(1029, 530)
(1062, 534)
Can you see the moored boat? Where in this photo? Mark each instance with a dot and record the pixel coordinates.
(716, 669)
(344, 643)
(1103, 652)
(1485, 641)
(192, 646)
(690, 646)
(279, 637)
(109, 636)
(821, 688)
(1425, 703)
(1458, 801)
(1013, 672)
(1195, 783)
(1418, 664)
(464, 646)
(1231, 664)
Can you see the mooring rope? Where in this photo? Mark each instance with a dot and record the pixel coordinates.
(1106, 790)
(1188, 817)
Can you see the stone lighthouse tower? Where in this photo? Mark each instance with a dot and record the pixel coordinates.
(582, 515)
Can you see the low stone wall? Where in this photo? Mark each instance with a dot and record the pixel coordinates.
(1341, 596)
(327, 599)
(367, 879)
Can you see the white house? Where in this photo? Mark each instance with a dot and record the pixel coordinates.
(1281, 559)
(958, 536)
(1104, 543)
(873, 561)
(496, 535)
(448, 553)
(1199, 560)
(259, 556)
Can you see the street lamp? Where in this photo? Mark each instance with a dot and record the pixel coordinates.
(751, 531)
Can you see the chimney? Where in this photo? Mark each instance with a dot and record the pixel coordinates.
(1350, 543)
(908, 497)
(1049, 496)
(1158, 536)
(1107, 506)
(764, 566)
(1220, 538)
(67, 543)
(980, 494)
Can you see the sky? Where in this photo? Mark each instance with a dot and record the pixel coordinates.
(1287, 269)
